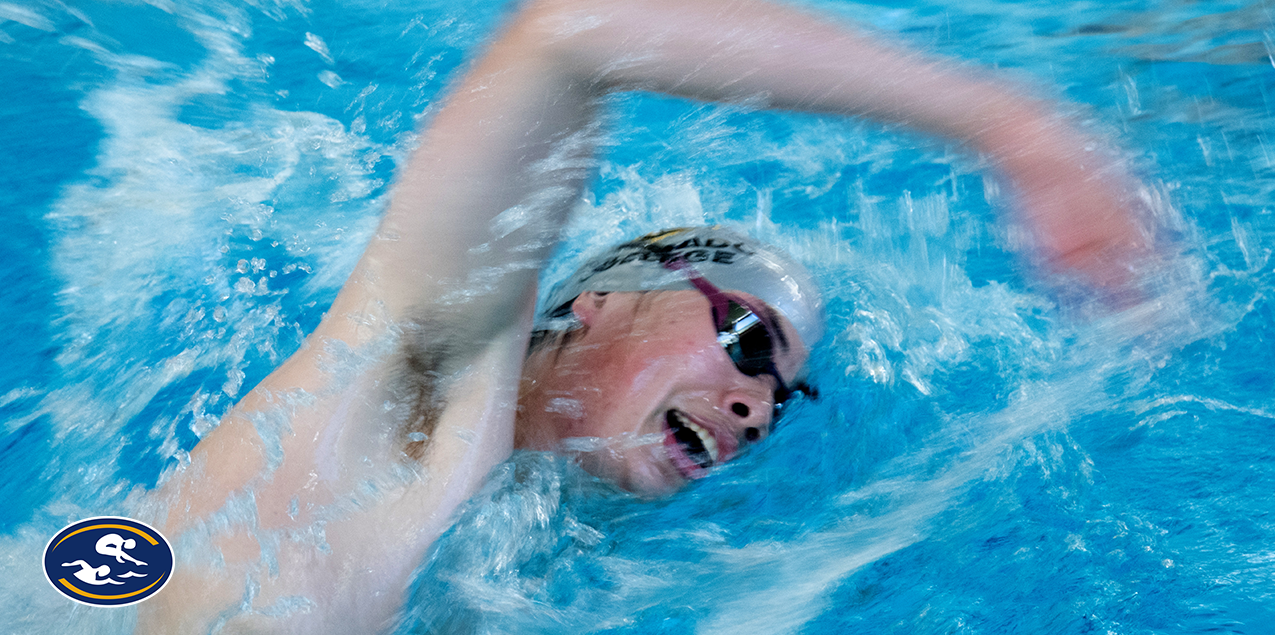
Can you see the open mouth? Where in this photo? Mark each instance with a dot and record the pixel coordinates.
(691, 447)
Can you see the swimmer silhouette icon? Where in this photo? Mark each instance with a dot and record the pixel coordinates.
(114, 545)
(90, 575)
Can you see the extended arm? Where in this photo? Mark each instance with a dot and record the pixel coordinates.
(302, 490)
(560, 53)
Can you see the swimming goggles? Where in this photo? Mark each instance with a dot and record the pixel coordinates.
(743, 330)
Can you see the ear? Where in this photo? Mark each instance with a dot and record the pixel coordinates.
(588, 305)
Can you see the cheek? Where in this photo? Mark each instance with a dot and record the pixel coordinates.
(617, 399)
(630, 379)
(655, 369)
(603, 402)
(648, 377)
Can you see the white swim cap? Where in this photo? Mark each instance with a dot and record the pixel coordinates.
(729, 260)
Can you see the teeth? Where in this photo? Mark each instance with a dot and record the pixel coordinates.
(710, 444)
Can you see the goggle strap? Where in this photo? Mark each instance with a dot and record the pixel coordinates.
(718, 300)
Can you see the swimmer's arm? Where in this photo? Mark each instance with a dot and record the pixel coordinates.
(513, 136)
(1077, 202)
(502, 162)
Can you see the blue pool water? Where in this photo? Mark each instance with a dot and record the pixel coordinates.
(187, 184)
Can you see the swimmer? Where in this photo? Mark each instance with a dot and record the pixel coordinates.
(90, 575)
(114, 545)
(325, 487)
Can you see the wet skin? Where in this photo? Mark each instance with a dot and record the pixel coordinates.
(646, 376)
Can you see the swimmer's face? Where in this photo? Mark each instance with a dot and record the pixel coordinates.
(650, 388)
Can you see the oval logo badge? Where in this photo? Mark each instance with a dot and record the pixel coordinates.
(108, 561)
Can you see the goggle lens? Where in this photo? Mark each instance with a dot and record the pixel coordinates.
(746, 339)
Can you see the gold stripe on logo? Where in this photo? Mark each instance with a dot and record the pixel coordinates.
(132, 529)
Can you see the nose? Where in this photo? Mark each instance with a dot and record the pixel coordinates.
(750, 413)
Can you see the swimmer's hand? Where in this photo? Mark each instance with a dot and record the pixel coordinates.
(1081, 208)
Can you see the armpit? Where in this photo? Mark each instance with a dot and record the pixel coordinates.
(420, 386)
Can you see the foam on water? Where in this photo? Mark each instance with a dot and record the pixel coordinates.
(982, 458)
(185, 240)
